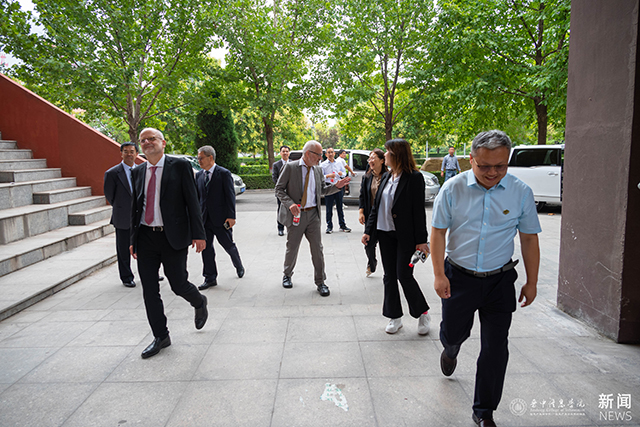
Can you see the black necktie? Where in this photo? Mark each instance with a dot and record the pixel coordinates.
(206, 178)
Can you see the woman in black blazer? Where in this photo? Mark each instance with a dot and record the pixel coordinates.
(368, 189)
(398, 221)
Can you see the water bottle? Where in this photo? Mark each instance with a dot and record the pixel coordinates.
(296, 218)
(417, 256)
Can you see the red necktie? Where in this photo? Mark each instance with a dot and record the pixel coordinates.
(151, 197)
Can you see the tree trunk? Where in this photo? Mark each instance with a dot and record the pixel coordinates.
(388, 127)
(268, 133)
(541, 113)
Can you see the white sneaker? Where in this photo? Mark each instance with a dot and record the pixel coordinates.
(424, 324)
(393, 326)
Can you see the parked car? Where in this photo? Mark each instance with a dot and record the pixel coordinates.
(431, 186)
(238, 184)
(541, 168)
(358, 160)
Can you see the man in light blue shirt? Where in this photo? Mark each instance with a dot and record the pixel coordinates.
(483, 209)
(334, 171)
(450, 165)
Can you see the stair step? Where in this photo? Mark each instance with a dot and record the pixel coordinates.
(26, 221)
(30, 175)
(8, 144)
(29, 285)
(60, 195)
(12, 154)
(90, 216)
(16, 194)
(22, 164)
(23, 253)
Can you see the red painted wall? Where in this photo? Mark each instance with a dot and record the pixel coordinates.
(67, 143)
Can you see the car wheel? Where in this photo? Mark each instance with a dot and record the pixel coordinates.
(539, 206)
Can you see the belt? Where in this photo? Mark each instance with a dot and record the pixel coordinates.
(157, 228)
(508, 266)
(307, 209)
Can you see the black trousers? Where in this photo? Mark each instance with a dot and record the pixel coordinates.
(494, 298)
(396, 256)
(329, 201)
(370, 250)
(154, 249)
(225, 238)
(124, 256)
(280, 225)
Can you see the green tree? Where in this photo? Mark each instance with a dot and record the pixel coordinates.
(495, 61)
(217, 129)
(375, 57)
(125, 57)
(270, 44)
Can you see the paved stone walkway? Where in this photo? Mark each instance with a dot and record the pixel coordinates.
(275, 357)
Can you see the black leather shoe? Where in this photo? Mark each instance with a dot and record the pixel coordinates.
(208, 284)
(323, 290)
(155, 347)
(447, 364)
(130, 284)
(483, 422)
(202, 314)
(286, 282)
(280, 232)
(160, 278)
(240, 272)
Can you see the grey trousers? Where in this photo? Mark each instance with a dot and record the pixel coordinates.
(309, 227)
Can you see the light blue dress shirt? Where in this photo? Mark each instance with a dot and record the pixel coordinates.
(483, 223)
(127, 172)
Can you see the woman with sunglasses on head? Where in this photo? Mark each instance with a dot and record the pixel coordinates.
(398, 221)
(368, 190)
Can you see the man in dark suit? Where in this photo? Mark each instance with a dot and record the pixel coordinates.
(218, 203)
(117, 190)
(299, 191)
(275, 174)
(165, 220)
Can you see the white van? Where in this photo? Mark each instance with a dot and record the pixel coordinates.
(540, 167)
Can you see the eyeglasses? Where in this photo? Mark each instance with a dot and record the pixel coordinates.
(317, 154)
(143, 140)
(486, 168)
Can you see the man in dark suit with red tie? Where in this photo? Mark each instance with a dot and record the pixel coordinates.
(117, 190)
(218, 203)
(165, 220)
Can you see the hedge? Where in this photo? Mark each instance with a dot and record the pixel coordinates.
(255, 182)
(254, 170)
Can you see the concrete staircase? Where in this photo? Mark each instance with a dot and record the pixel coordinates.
(52, 232)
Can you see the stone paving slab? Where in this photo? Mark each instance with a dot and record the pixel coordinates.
(268, 355)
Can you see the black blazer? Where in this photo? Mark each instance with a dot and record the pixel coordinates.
(178, 203)
(118, 193)
(365, 192)
(276, 169)
(408, 212)
(218, 201)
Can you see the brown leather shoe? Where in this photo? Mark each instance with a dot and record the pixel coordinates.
(483, 422)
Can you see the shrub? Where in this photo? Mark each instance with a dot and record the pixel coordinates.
(255, 182)
(254, 170)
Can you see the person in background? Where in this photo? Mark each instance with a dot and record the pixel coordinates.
(483, 209)
(334, 172)
(218, 202)
(368, 190)
(450, 165)
(398, 220)
(275, 174)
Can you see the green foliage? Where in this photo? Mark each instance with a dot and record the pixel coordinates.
(254, 170)
(121, 57)
(217, 130)
(254, 182)
(493, 63)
